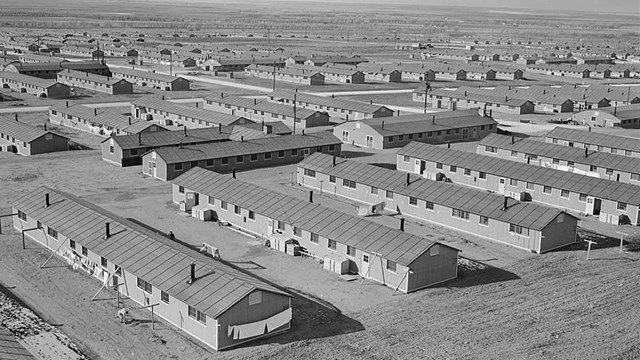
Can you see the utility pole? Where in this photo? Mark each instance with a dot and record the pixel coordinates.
(171, 63)
(426, 90)
(295, 99)
(274, 75)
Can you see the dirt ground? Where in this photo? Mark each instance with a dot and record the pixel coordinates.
(506, 303)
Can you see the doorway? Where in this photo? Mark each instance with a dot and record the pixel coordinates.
(501, 186)
(369, 141)
(365, 265)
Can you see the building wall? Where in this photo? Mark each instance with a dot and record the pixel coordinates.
(605, 119)
(431, 268)
(168, 172)
(501, 185)
(48, 143)
(175, 312)
(558, 233)
(442, 215)
(595, 147)
(112, 152)
(317, 119)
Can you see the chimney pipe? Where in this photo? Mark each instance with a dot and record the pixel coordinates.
(504, 206)
(528, 160)
(333, 163)
(382, 125)
(433, 119)
(401, 224)
(107, 231)
(449, 145)
(370, 102)
(255, 101)
(586, 152)
(66, 104)
(221, 95)
(44, 126)
(95, 112)
(408, 179)
(311, 196)
(220, 128)
(196, 104)
(589, 128)
(185, 131)
(46, 200)
(139, 138)
(16, 116)
(513, 140)
(162, 97)
(192, 275)
(234, 173)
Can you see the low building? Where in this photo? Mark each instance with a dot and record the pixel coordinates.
(523, 225)
(334, 107)
(267, 111)
(604, 165)
(627, 117)
(214, 303)
(26, 140)
(166, 163)
(613, 202)
(295, 76)
(454, 100)
(101, 122)
(337, 59)
(397, 131)
(346, 243)
(42, 88)
(171, 113)
(152, 79)
(575, 71)
(98, 83)
(333, 74)
(51, 70)
(614, 144)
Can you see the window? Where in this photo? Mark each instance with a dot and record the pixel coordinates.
(518, 229)
(600, 148)
(413, 201)
(145, 286)
(181, 189)
(434, 250)
(514, 153)
(406, 158)
(211, 200)
(635, 177)
(314, 238)
(223, 204)
(532, 156)
(614, 150)
(374, 190)
(556, 161)
(351, 251)
(72, 244)
(570, 163)
(593, 168)
(85, 252)
(194, 164)
(297, 231)
(622, 206)
(490, 149)
(280, 226)
(164, 297)
(197, 314)
(453, 168)
(236, 209)
(609, 171)
(52, 232)
(294, 152)
(255, 298)
(460, 214)
(332, 179)
(389, 194)
(483, 220)
(267, 156)
(546, 189)
(513, 182)
(410, 136)
(111, 149)
(331, 244)
(429, 205)
(564, 193)
(482, 175)
(349, 183)
(400, 137)
(309, 173)
(467, 172)
(439, 166)
(177, 167)
(332, 147)
(582, 197)
(391, 265)
(103, 261)
(22, 216)
(281, 153)
(390, 139)
(224, 161)
(628, 152)
(529, 185)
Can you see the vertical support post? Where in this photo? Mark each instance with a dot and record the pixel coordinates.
(153, 319)
(589, 247)
(621, 238)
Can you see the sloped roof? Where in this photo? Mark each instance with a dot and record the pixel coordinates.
(555, 151)
(29, 80)
(91, 77)
(285, 70)
(326, 101)
(351, 230)
(144, 253)
(215, 117)
(262, 105)
(159, 139)
(218, 150)
(325, 69)
(475, 201)
(111, 118)
(626, 112)
(22, 131)
(601, 188)
(146, 75)
(595, 138)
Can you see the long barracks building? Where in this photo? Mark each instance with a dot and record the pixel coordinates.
(208, 299)
(593, 140)
(604, 165)
(348, 243)
(523, 225)
(613, 202)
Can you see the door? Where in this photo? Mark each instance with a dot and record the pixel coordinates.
(345, 136)
(465, 133)
(421, 165)
(365, 265)
(152, 168)
(501, 186)
(269, 227)
(589, 209)
(439, 104)
(597, 203)
(475, 132)
(369, 141)
(306, 152)
(196, 199)
(454, 105)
